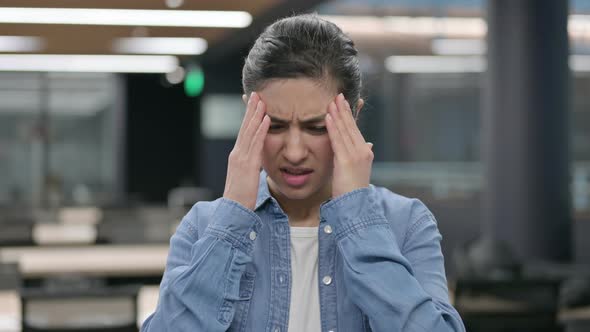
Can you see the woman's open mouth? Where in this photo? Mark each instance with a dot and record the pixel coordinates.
(296, 176)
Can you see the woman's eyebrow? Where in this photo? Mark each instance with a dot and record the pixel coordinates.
(314, 119)
(277, 120)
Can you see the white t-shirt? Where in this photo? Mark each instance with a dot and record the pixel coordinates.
(304, 312)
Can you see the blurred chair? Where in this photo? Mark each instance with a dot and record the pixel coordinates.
(134, 225)
(17, 227)
(496, 293)
(516, 305)
(10, 278)
(101, 309)
(181, 199)
(574, 301)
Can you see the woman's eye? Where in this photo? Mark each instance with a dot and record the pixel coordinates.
(317, 129)
(276, 127)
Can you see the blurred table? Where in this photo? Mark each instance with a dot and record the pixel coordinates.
(10, 311)
(95, 260)
(10, 308)
(147, 301)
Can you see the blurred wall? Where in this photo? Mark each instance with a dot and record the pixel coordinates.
(162, 127)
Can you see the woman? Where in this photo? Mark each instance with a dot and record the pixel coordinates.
(307, 244)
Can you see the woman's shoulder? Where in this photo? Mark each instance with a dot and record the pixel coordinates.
(402, 211)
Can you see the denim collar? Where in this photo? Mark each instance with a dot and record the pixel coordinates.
(263, 191)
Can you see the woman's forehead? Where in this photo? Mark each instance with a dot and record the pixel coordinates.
(296, 98)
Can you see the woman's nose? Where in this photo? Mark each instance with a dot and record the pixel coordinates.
(295, 150)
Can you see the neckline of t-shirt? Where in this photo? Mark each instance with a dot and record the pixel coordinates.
(306, 232)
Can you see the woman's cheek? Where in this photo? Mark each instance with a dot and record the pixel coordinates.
(323, 146)
(271, 147)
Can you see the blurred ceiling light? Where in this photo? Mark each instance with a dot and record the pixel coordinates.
(469, 26)
(176, 76)
(473, 27)
(435, 64)
(174, 3)
(448, 46)
(88, 63)
(465, 27)
(160, 45)
(460, 64)
(21, 44)
(141, 17)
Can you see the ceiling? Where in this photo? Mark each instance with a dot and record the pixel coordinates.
(88, 39)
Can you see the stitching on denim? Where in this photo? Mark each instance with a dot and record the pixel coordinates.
(364, 223)
(422, 219)
(344, 198)
(229, 237)
(223, 301)
(244, 305)
(239, 206)
(192, 228)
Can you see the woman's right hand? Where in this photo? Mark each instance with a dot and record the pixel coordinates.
(245, 160)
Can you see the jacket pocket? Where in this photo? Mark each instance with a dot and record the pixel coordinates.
(366, 324)
(242, 305)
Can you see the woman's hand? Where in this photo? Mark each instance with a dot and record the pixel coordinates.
(245, 160)
(353, 157)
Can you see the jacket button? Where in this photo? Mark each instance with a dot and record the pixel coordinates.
(328, 229)
(327, 280)
(253, 235)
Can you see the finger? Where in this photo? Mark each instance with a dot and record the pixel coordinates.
(259, 136)
(338, 146)
(337, 116)
(349, 121)
(250, 110)
(254, 124)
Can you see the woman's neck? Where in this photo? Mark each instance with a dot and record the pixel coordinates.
(302, 212)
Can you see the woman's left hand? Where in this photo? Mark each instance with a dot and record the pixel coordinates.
(353, 156)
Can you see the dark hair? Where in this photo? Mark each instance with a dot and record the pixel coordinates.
(304, 46)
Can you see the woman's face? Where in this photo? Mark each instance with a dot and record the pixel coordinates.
(297, 154)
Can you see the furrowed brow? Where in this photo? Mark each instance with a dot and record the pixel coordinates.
(277, 120)
(313, 120)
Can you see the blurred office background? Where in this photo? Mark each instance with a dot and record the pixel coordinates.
(113, 122)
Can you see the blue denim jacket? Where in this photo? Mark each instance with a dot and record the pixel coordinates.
(380, 267)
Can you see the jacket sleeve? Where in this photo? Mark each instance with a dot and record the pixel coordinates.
(201, 283)
(398, 286)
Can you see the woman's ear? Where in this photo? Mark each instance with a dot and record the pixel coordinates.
(359, 107)
(245, 99)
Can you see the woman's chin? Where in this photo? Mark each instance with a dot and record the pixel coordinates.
(294, 193)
